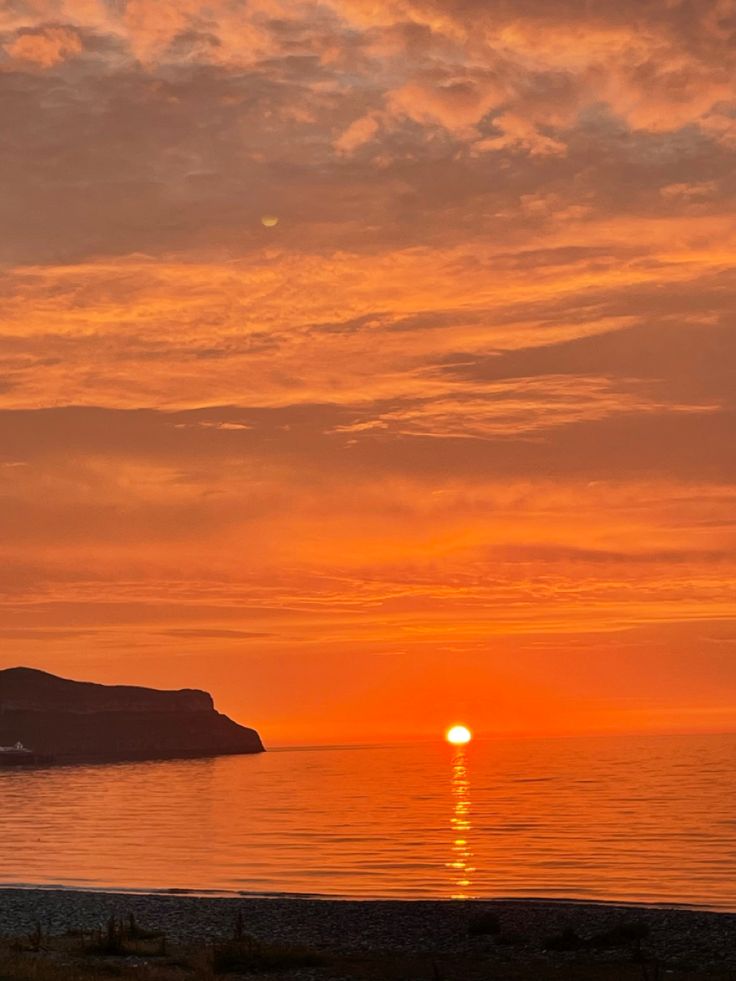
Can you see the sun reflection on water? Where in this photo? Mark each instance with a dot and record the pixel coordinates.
(459, 865)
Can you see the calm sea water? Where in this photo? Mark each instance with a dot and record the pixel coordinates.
(639, 819)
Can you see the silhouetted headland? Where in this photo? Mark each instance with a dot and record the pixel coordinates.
(74, 721)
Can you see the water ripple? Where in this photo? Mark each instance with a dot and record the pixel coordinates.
(637, 819)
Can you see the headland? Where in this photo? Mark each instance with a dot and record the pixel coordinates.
(63, 721)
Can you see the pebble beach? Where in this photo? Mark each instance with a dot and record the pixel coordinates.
(500, 932)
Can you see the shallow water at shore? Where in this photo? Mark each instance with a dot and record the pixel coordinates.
(639, 819)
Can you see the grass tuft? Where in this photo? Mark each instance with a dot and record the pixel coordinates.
(567, 939)
(622, 935)
(121, 938)
(250, 955)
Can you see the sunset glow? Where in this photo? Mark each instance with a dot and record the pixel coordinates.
(360, 360)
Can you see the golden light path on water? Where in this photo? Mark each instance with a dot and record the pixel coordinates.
(460, 867)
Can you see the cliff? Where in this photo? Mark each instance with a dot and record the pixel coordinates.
(77, 721)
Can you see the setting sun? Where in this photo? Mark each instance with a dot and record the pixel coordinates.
(458, 735)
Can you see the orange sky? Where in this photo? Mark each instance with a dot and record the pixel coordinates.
(454, 440)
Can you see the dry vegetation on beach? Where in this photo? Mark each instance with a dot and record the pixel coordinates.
(121, 948)
(58, 963)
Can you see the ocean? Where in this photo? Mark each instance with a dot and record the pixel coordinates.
(628, 818)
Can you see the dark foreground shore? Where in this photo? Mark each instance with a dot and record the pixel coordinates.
(60, 935)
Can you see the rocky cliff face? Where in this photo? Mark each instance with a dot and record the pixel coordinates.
(75, 721)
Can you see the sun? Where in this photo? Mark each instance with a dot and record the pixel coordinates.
(458, 735)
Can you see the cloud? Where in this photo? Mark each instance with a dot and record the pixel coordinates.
(45, 47)
(358, 133)
(516, 133)
(44, 635)
(456, 101)
(518, 408)
(696, 192)
(691, 364)
(212, 633)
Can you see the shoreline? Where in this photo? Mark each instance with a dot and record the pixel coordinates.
(176, 892)
(494, 932)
